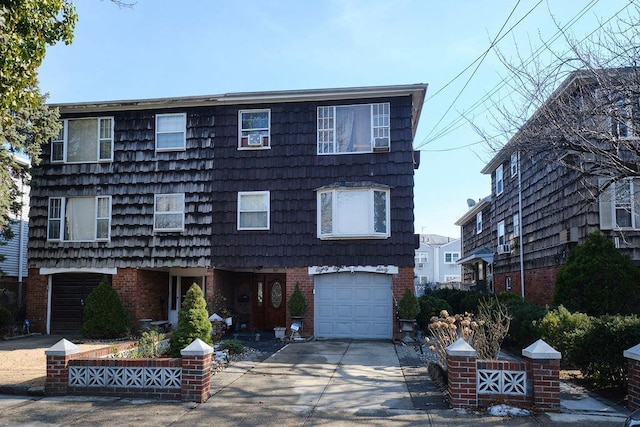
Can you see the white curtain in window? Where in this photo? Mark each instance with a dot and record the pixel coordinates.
(80, 218)
(82, 140)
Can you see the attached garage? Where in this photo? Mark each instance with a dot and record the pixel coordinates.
(353, 305)
(68, 294)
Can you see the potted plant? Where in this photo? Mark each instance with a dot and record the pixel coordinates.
(297, 306)
(408, 309)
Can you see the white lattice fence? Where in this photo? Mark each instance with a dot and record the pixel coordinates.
(492, 381)
(129, 377)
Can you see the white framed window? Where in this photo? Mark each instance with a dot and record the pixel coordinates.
(499, 180)
(255, 129)
(422, 280)
(618, 204)
(516, 225)
(622, 124)
(514, 164)
(86, 140)
(360, 128)
(358, 213)
(79, 219)
(502, 238)
(253, 210)
(171, 131)
(421, 258)
(451, 257)
(168, 212)
(479, 223)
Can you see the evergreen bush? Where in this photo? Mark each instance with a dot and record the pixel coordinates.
(430, 306)
(408, 306)
(6, 320)
(525, 323)
(297, 304)
(234, 346)
(193, 322)
(104, 314)
(563, 330)
(597, 279)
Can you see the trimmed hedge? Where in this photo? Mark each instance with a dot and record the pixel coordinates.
(430, 306)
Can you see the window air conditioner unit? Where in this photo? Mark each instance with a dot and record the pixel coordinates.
(381, 144)
(504, 249)
(254, 140)
(420, 265)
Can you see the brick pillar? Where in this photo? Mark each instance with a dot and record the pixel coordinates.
(58, 357)
(461, 372)
(544, 364)
(196, 371)
(633, 370)
(37, 295)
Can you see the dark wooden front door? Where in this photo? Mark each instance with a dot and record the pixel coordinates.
(270, 301)
(68, 296)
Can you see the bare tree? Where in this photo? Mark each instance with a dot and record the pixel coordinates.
(578, 108)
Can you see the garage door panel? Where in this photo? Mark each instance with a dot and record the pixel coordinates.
(353, 305)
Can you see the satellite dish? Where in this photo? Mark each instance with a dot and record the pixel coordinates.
(471, 203)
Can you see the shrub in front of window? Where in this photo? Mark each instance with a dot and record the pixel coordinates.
(104, 314)
(193, 322)
(598, 279)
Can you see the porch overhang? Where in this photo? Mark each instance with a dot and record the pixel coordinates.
(483, 254)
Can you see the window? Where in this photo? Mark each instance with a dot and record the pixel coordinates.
(353, 213)
(618, 204)
(622, 125)
(82, 219)
(421, 257)
(516, 225)
(254, 128)
(499, 181)
(422, 280)
(479, 223)
(514, 164)
(253, 210)
(451, 278)
(502, 239)
(451, 257)
(353, 128)
(168, 212)
(84, 141)
(171, 130)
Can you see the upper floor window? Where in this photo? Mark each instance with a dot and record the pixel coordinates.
(253, 210)
(479, 223)
(514, 164)
(451, 278)
(83, 219)
(421, 258)
(168, 212)
(499, 180)
(516, 225)
(255, 126)
(622, 123)
(357, 212)
(171, 131)
(353, 128)
(618, 204)
(502, 238)
(84, 141)
(451, 257)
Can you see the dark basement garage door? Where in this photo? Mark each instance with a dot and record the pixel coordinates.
(69, 292)
(353, 305)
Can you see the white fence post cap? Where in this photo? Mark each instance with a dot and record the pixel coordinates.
(632, 353)
(197, 348)
(461, 348)
(541, 350)
(62, 348)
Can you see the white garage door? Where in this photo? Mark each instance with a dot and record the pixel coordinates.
(353, 305)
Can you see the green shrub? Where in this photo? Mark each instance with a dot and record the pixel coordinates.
(525, 323)
(471, 301)
(297, 304)
(509, 298)
(597, 279)
(452, 296)
(408, 307)
(234, 346)
(104, 314)
(149, 344)
(562, 329)
(6, 319)
(430, 306)
(600, 349)
(193, 322)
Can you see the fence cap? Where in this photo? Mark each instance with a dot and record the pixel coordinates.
(632, 353)
(541, 350)
(197, 348)
(62, 348)
(461, 348)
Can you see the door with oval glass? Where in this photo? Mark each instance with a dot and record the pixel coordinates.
(270, 302)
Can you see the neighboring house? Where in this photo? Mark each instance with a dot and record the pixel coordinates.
(516, 239)
(246, 194)
(14, 249)
(436, 262)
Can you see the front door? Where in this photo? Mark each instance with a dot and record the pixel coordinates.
(270, 301)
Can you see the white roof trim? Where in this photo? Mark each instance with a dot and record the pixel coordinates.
(45, 271)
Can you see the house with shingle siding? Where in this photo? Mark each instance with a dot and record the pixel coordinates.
(244, 194)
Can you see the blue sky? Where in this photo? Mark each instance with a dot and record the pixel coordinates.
(166, 48)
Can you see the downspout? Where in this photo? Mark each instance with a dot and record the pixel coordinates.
(521, 237)
(21, 242)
